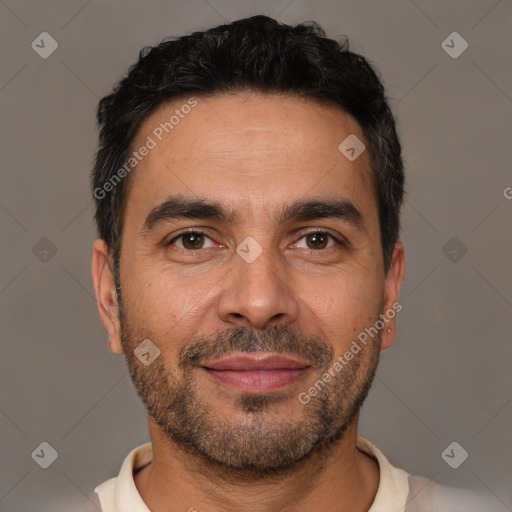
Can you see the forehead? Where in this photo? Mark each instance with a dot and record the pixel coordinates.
(253, 151)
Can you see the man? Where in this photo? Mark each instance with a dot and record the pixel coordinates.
(248, 186)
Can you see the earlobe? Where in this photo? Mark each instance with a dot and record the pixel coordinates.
(114, 347)
(106, 297)
(392, 286)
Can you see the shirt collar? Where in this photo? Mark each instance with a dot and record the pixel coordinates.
(120, 494)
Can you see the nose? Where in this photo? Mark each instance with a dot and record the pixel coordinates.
(258, 294)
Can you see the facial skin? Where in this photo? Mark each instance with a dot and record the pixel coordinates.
(197, 299)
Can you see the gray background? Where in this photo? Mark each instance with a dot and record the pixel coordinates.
(447, 378)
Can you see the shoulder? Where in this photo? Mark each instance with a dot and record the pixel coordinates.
(426, 495)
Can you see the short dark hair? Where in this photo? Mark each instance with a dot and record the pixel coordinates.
(253, 54)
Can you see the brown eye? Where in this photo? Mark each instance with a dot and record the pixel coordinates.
(190, 241)
(317, 240)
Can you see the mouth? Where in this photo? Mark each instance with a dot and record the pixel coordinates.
(257, 372)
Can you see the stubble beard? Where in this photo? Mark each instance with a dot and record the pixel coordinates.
(265, 443)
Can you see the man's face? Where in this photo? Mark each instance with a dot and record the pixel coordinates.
(223, 302)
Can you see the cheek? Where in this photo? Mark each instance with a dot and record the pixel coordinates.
(345, 309)
(163, 305)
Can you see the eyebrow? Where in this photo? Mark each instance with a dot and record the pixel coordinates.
(179, 207)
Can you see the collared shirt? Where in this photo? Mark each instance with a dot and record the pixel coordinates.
(397, 492)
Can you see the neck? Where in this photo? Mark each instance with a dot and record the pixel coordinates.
(340, 478)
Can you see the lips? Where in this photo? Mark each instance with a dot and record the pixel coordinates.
(256, 372)
(256, 361)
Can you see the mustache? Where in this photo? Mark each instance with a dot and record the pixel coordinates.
(279, 339)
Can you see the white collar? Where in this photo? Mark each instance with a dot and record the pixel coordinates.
(120, 494)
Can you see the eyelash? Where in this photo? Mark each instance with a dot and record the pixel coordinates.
(199, 232)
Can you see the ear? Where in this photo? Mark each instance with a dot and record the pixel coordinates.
(105, 290)
(392, 287)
